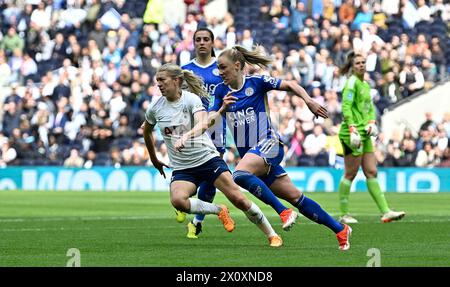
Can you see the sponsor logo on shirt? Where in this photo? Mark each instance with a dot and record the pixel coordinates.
(270, 80)
(242, 117)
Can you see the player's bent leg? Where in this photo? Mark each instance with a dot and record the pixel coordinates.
(206, 192)
(246, 176)
(232, 191)
(180, 191)
(179, 196)
(308, 207)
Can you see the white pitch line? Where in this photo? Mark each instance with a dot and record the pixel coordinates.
(88, 218)
(94, 218)
(210, 225)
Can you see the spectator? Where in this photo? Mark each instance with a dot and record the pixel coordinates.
(8, 154)
(427, 157)
(105, 72)
(445, 158)
(298, 16)
(11, 118)
(347, 12)
(409, 153)
(334, 148)
(438, 58)
(423, 11)
(390, 88)
(411, 79)
(123, 129)
(364, 15)
(11, 41)
(429, 122)
(74, 159)
(315, 144)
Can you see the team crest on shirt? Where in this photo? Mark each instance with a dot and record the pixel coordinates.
(215, 72)
(249, 91)
(350, 96)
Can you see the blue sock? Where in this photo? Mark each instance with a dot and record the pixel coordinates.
(206, 192)
(314, 212)
(258, 188)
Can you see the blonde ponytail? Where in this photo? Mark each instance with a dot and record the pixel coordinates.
(244, 56)
(194, 83)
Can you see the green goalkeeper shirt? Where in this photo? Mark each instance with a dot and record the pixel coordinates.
(357, 106)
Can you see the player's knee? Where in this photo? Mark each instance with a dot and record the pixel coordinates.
(294, 197)
(241, 176)
(371, 173)
(180, 203)
(350, 175)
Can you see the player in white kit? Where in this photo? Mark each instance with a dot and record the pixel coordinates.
(183, 120)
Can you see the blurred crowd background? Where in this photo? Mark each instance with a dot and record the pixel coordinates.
(76, 76)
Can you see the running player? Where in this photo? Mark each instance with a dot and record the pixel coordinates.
(183, 120)
(259, 145)
(204, 65)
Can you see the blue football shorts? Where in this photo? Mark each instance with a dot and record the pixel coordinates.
(207, 172)
(271, 150)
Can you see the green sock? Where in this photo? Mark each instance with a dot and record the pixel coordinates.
(344, 193)
(377, 194)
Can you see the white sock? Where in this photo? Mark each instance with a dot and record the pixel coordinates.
(255, 215)
(202, 207)
(195, 221)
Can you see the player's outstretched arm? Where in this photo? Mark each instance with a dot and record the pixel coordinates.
(200, 126)
(314, 107)
(150, 144)
(213, 116)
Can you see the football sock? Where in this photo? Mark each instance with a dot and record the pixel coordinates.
(344, 193)
(255, 215)
(206, 192)
(258, 188)
(202, 207)
(377, 194)
(314, 212)
(195, 220)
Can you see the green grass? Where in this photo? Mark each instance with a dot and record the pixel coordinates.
(139, 229)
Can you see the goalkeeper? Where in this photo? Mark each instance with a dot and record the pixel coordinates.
(357, 128)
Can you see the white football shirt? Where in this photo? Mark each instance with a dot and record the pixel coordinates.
(176, 118)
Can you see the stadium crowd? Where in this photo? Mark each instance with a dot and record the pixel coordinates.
(76, 76)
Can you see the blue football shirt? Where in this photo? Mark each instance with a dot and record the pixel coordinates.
(210, 76)
(249, 118)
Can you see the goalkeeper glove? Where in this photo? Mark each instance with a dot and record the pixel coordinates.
(371, 128)
(355, 138)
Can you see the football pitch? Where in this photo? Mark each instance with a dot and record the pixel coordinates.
(139, 229)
